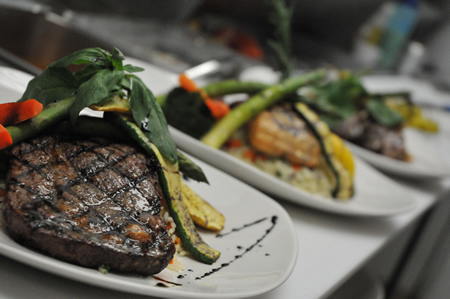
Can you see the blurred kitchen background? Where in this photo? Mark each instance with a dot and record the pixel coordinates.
(407, 37)
(177, 34)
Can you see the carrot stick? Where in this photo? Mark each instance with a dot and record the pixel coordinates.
(218, 108)
(187, 83)
(14, 113)
(5, 138)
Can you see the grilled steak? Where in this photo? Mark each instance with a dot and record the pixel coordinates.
(353, 127)
(387, 141)
(90, 202)
(364, 131)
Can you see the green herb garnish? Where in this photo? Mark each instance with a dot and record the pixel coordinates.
(339, 100)
(190, 169)
(103, 77)
(281, 18)
(382, 114)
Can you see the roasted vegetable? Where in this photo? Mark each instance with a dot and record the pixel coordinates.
(14, 113)
(329, 145)
(401, 103)
(221, 88)
(342, 153)
(5, 137)
(203, 213)
(170, 182)
(50, 115)
(116, 104)
(217, 108)
(188, 112)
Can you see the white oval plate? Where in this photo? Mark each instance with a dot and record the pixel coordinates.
(429, 151)
(261, 269)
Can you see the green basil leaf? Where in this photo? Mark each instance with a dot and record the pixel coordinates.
(149, 117)
(84, 56)
(309, 95)
(55, 94)
(117, 55)
(383, 114)
(132, 69)
(339, 95)
(126, 86)
(99, 88)
(190, 169)
(338, 98)
(117, 59)
(87, 72)
(126, 82)
(50, 78)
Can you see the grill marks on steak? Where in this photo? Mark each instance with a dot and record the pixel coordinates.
(89, 202)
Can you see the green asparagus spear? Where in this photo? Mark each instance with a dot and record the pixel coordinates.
(50, 115)
(240, 115)
(222, 88)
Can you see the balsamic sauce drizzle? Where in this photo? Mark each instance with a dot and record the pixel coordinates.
(159, 284)
(274, 221)
(242, 227)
